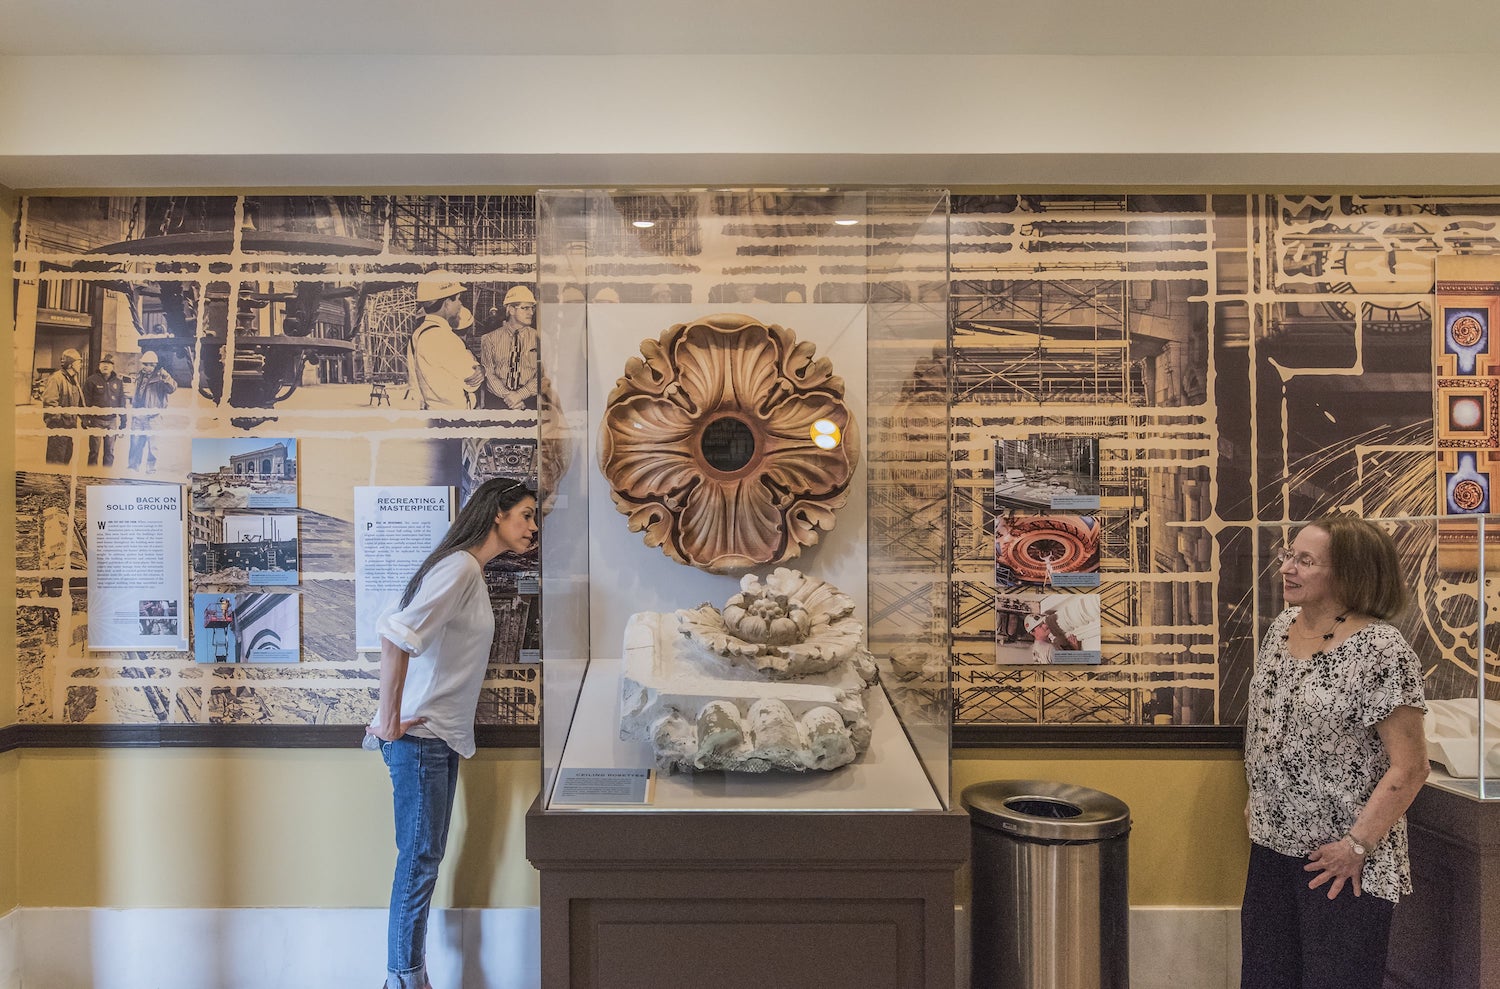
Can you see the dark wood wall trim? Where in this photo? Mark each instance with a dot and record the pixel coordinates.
(228, 736)
(527, 736)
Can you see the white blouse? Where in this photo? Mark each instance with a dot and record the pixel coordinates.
(446, 629)
(1312, 753)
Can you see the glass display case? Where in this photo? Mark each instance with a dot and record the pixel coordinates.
(738, 383)
(1448, 565)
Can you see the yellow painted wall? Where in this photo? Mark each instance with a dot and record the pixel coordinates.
(200, 828)
(1188, 844)
(249, 828)
(10, 891)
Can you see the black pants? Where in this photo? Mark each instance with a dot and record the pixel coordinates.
(107, 441)
(59, 449)
(1292, 937)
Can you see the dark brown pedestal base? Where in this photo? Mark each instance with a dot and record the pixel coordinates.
(747, 900)
(1446, 935)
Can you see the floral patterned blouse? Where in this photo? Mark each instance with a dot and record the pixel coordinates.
(1312, 754)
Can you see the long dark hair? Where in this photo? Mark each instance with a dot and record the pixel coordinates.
(498, 494)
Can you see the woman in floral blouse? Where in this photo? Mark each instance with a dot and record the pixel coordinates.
(1334, 754)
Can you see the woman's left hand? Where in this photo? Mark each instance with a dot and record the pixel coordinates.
(1335, 863)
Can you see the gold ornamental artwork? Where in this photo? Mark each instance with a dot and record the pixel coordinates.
(728, 443)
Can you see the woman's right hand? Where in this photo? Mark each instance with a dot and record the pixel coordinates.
(391, 733)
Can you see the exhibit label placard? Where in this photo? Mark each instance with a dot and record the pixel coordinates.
(394, 530)
(604, 785)
(137, 577)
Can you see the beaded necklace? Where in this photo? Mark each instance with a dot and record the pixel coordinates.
(1327, 636)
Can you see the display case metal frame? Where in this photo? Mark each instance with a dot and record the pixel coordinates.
(796, 890)
(870, 291)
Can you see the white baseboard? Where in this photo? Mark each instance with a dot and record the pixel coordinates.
(10, 952)
(253, 949)
(1170, 948)
(1184, 947)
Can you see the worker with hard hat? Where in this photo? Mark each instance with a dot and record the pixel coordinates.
(439, 366)
(64, 391)
(1065, 622)
(509, 354)
(153, 387)
(104, 389)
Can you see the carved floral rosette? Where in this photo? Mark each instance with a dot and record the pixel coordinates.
(727, 374)
(792, 625)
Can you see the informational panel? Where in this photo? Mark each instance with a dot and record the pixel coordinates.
(394, 530)
(137, 588)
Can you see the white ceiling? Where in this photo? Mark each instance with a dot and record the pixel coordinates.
(594, 27)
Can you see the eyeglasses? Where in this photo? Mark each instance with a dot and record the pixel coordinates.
(1301, 560)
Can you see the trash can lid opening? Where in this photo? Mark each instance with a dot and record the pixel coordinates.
(1045, 810)
(1055, 810)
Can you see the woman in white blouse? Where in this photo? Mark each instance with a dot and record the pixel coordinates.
(434, 648)
(1334, 754)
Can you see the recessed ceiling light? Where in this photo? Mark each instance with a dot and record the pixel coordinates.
(845, 221)
(643, 224)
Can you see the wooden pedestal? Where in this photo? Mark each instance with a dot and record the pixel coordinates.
(750, 900)
(1446, 935)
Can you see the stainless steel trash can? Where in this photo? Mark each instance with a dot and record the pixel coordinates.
(1051, 869)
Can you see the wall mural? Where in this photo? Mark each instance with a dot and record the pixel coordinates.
(1240, 359)
(148, 325)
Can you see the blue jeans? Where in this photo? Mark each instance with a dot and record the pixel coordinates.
(424, 778)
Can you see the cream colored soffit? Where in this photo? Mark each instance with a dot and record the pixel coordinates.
(244, 121)
(675, 27)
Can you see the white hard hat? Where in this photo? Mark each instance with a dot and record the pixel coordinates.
(72, 355)
(435, 290)
(1032, 621)
(149, 357)
(519, 294)
(465, 317)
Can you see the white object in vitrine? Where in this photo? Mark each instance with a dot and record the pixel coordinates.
(708, 700)
(1452, 728)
